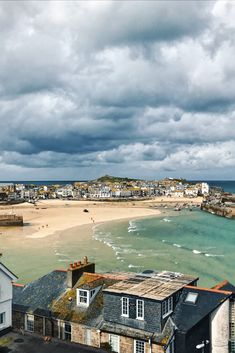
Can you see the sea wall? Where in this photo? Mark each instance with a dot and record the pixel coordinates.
(11, 220)
(218, 210)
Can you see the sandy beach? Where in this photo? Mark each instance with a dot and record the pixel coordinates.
(56, 232)
(51, 216)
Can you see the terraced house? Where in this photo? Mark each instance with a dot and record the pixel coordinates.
(6, 278)
(150, 312)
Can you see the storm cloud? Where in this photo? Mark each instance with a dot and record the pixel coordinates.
(137, 88)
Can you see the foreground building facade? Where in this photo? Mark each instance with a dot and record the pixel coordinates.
(6, 278)
(150, 312)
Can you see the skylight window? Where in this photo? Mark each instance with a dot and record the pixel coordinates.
(191, 298)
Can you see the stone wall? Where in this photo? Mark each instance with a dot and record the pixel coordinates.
(79, 335)
(18, 320)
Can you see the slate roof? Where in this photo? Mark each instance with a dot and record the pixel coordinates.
(7, 272)
(65, 308)
(225, 285)
(187, 315)
(38, 296)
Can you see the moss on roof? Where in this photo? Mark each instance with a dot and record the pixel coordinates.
(65, 308)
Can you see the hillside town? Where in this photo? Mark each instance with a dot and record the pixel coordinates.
(104, 188)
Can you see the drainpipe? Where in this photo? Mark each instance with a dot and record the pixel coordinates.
(150, 344)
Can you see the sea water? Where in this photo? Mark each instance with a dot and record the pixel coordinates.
(194, 242)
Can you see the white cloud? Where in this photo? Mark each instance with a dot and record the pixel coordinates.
(116, 86)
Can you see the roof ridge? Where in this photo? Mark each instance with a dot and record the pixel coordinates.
(220, 284)
(209, 290)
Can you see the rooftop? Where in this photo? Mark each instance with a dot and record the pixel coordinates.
(39, 295)
(153, 285)
(205, 301)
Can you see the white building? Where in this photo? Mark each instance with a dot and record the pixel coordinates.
(6, 278)
(191, 191)
(205, 189)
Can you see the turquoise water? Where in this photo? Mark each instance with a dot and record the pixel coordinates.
(194, 242)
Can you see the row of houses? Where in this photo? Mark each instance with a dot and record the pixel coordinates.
(104, 190)
(149, 312)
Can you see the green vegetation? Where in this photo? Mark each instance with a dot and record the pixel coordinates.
(114, 179)
(5, 341)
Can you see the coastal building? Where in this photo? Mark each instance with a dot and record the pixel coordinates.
(6, 278)
(149, 312)
(137, 311)
(191, 191)
(226, 286)
(205, 189)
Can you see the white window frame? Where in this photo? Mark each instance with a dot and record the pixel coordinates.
(140, 305)
(29, 318)
(167, 307)
(3, 319)
(136, 348)
(118, 343)
(85, 298)
(125, 305)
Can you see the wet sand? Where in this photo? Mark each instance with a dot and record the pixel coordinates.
(57, 233)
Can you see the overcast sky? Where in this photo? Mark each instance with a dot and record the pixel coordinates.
(128, 88)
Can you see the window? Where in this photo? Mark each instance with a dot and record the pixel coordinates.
(114, 343)
(83, 297)
(30, 323)
(92, 293)
(167, 306)
(2, 318)
(232, 326)
(139, 347)
(191, 298)
(125, 307)
(67, 331)
(139, 309)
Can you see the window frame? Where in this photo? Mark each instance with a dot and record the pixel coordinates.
(167, 307)
(141, 303)
(85, 298)
(191, 298)
(118, 342)
(3, 320)
(136, 342)
(29, 323)
(125, 304)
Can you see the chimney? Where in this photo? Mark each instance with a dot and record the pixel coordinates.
(76, 270)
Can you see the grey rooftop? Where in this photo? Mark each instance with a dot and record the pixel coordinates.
(152, 285)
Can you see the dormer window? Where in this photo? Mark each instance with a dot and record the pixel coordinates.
(167, 307)
(85, 297)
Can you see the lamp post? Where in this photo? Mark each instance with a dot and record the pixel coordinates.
(202, 345)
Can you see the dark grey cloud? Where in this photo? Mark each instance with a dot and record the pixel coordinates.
(141, 88)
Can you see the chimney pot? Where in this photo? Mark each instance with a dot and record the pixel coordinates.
(85, 260)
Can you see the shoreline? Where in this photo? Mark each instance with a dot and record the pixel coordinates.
(50, 216)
